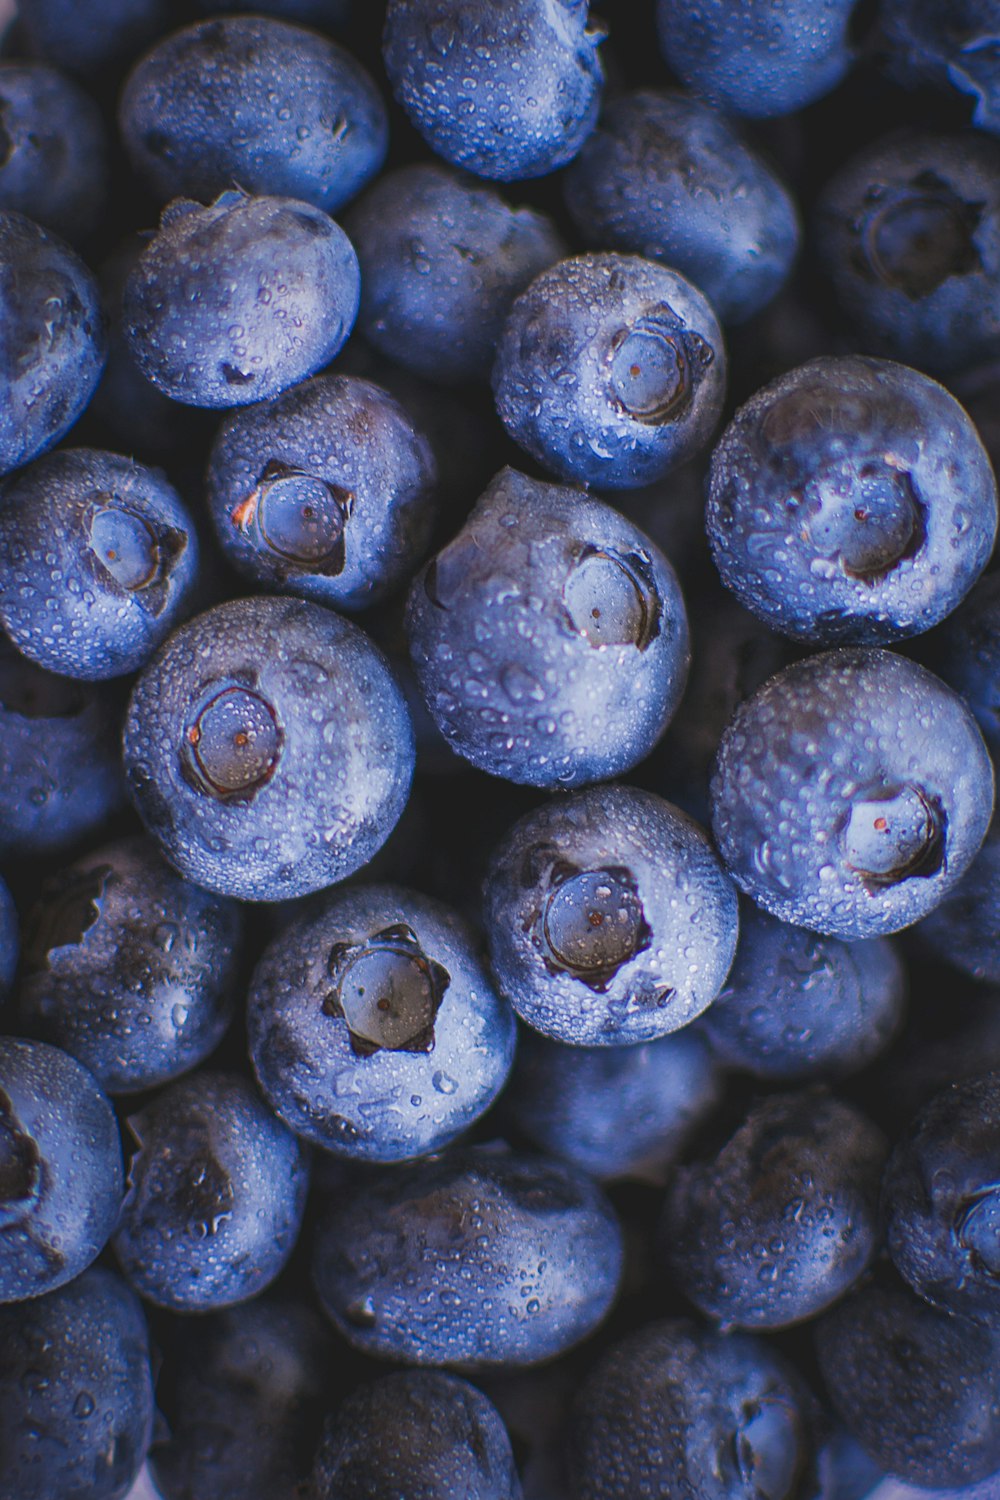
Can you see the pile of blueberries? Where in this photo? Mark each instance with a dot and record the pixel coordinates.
(501, 995)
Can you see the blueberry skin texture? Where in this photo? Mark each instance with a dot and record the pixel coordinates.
(217, 1187)
(506, 92)
(947, 44)
(917, 1388)
(610, 371)
(479, 1257)
(851, 793)
(798, 1006)
(683, 1412)
(418, 1433)
(268, 749)
(909, 231)
(964, 930)
(252, 102)
(784, 1220)
(244, 1392)
(614, 1112)
(610, 919)
(233, 303)
(966, 653)
(93, 37)
(941, 1202)
(60, 759)
(549, 637)
(128, 967)
(345, 451)
(62, 1161)
(98, 562)
(442, 258)
(365, 1083)
(851, 500)
(55, 168)
(666, 177)
(9, 941)
(759, 58)
(54, 339)
(76, 1395)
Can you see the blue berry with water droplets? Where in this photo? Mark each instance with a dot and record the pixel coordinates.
(98, 562)
(851, 793)
(328, 491)
(268, 748)
(851, 500)
(609, 917)
(374, 1028)
(217, 1188)
(549, 637)
(54, 152)
(76, 1393)
(761, 57)
(784, 1220)
(60, 1168)
(611, 370)
(505, 91)
(128, 967)
(475, 1258)
(665, 176)
(253, 101)
(442, 258)
(54, 335)
(941, 1201)
(234, 302)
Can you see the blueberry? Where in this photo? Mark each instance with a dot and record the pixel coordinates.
(948, 44)
(966, 653)
(327, 491)
(758, 58)
(98, 561)
(919, 1390)
(610, 918)
(442, 258)
(851, 500)
(965, 929)
(76, 1395)
(53, 335)
(784, 1220)
(234, 303)
(611, 370)
(666, 177)
(679, 1411)
(53, 150)
(797, 1005)
(243, 1392)
(60, 767)
(217, 1187)
(506, 91)
(851, 793)
(93, 36)
(374, 1028)
(418, 1433)
(941, 1201)
(909, 230)
(128, 967)
(253, 101)
(479, 1257)
(268, 749)
(9, 942)
(614, 1111)
(60, 1169)
(549, 637)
